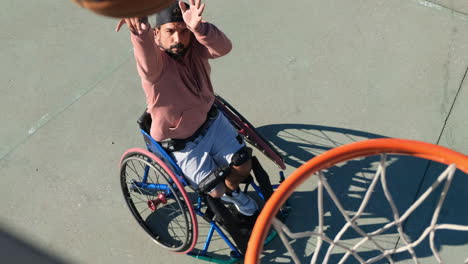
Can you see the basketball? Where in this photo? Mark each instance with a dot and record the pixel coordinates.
(125, 8)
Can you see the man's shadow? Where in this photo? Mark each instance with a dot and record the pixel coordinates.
(407, 177)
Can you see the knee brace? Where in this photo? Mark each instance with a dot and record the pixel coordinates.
(212, 180)
(241, 156)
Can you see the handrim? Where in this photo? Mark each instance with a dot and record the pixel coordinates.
(185, 202)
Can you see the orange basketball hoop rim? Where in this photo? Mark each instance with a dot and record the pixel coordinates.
(343, 153)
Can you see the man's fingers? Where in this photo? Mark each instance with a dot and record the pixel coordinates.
(200, 10)
(131, 28)
(133, 24)
(182, 6)
(192, 2)
(197, 4)
(119, 25)
(138, 26)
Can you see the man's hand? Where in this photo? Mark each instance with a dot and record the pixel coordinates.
(135, 24)
(193, 16)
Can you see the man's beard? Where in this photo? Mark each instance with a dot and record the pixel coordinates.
(179, 54)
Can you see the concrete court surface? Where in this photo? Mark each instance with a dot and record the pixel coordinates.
(70, 96)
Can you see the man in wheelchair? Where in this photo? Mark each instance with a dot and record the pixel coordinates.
(172, 62)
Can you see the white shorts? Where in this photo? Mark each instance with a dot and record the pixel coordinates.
(206, 153)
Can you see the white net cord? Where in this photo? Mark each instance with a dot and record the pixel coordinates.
(445, 177)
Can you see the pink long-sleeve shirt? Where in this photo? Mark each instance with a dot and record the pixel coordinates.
(178, 93)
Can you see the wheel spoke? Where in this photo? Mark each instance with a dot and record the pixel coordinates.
(167, 223)
(138, 175)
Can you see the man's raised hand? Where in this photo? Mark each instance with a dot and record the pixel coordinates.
(193, 15)
(135, 24)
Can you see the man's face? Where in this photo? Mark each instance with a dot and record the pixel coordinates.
(174, 37)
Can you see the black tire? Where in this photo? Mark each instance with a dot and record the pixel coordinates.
(172, 224)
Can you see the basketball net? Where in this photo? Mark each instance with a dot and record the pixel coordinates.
(444, 180)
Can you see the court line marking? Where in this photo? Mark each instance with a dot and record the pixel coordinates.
(46, 118)
(452, 106)
(443, 8)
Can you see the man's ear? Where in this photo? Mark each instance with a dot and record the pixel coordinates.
(157, 31)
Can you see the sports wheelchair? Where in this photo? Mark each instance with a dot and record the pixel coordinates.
(166, 207)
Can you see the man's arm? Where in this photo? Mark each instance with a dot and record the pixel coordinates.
(214, 40)
(147, 54)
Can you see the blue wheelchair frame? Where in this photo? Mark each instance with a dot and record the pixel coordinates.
(155, 148)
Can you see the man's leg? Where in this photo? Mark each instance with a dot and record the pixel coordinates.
(195, 161)
(219, 149)
(238, 174)
(240, 164)
(229, 150)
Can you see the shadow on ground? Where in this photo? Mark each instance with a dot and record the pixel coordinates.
(299, 143)
(16, 250)
(407, 178)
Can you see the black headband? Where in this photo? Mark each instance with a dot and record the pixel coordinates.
(170, 14)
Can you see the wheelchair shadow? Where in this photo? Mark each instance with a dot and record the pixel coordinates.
(407, 177)
(168, 223)
(299, 143)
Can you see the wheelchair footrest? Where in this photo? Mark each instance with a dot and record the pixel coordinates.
(238, 226)
(262, 178)
(215, 260)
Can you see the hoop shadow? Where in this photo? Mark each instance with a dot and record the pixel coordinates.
(407, 178)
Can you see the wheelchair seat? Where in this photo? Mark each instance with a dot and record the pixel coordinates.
(145, 122)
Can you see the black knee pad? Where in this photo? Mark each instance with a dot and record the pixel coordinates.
(212, 180)
(241, 156)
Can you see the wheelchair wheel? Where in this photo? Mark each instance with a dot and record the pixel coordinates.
(248, 131)
(158, 201)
